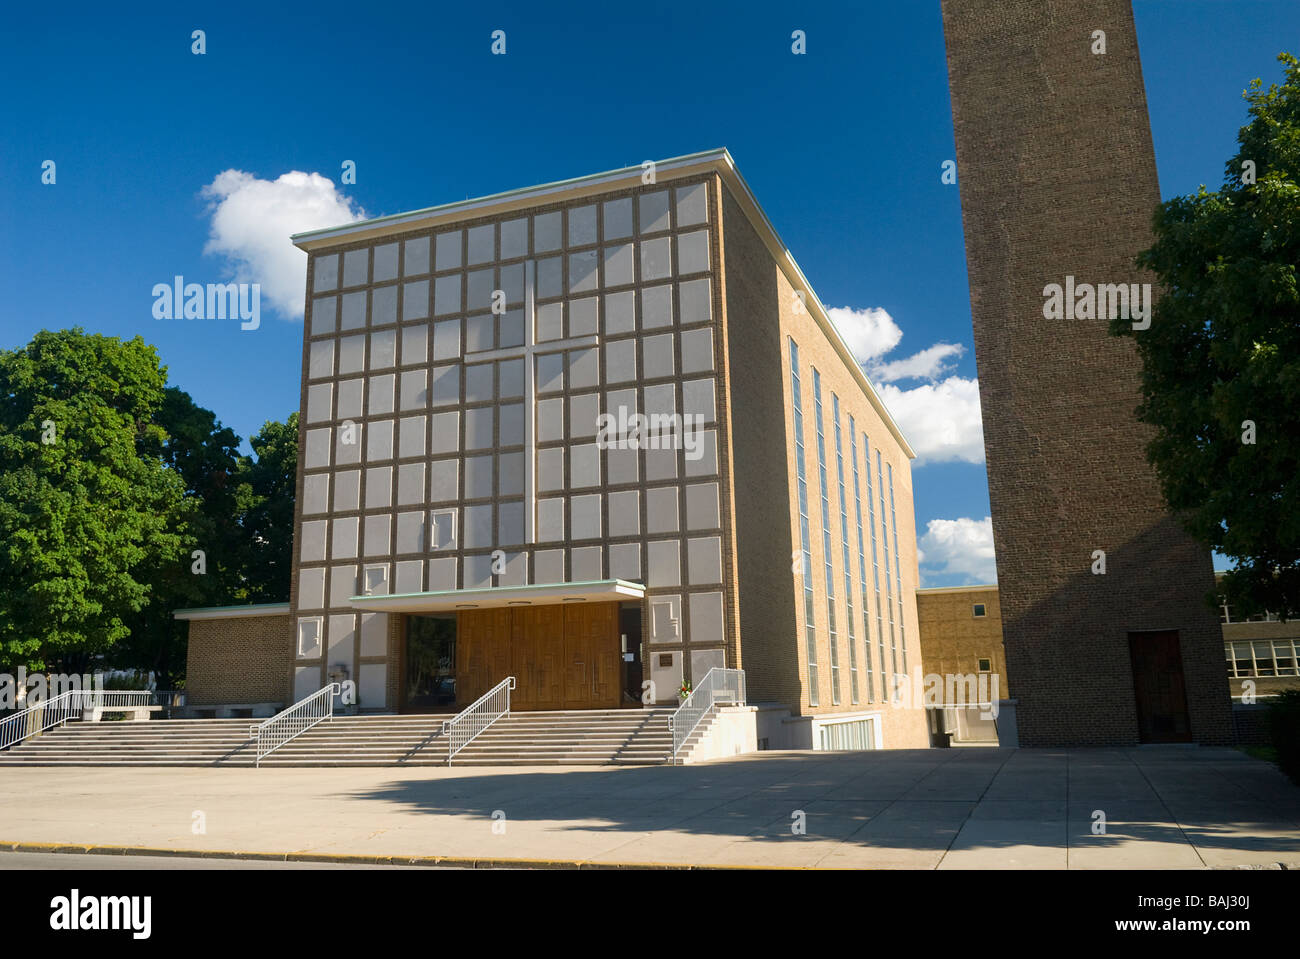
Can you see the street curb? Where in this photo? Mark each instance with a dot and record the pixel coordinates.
(468, 862)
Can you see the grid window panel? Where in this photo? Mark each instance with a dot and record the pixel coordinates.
(383, 305)
(415, 300)
(416, 256)
(447, 250)
(326, 275)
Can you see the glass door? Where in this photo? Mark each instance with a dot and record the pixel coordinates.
(430, 685)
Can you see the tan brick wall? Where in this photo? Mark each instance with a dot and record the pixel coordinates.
(761, 459)
(239, 660)
(761, 302)
(954, 639)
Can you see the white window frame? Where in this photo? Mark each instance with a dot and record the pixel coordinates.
(319, 623)
(365, 578)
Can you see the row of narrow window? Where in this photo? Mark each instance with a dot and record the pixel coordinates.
(895, 641)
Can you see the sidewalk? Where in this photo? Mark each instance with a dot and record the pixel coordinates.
(1164, 808)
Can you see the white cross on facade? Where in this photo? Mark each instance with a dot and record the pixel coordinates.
(529, 352)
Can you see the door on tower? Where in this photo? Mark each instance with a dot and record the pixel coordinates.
(1158, 687)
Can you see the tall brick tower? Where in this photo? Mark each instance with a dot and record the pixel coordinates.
(1057, 177)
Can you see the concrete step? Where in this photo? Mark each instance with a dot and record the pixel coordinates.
(595, 737)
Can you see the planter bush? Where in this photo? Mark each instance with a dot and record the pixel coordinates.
(1284, 724)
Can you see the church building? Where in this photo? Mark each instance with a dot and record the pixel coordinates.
(599, 435)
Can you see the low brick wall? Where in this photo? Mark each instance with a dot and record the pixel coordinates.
(239, 660)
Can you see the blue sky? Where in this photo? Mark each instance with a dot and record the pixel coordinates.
(842, 147)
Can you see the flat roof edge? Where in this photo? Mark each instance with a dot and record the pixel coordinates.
(484, 205)
(232, 612)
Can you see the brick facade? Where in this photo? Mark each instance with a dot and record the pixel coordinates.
(764, 315)
(1057, 177)
(954, 639)
(243, 659)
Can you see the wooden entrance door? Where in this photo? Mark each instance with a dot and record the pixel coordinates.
(537, 657)
(591, 656)
(562, 657)
(482, 652)
(1158, 687)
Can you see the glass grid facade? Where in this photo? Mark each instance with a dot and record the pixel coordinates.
(423, 351)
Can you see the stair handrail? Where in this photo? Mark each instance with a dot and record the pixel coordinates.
(463, 728)
(287, 725)
(719, 685)
(48, 713)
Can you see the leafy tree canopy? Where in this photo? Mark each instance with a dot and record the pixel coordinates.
(83, 507)
(110, 481)
(1221, 359)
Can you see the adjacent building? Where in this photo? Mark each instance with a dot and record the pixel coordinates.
(961, 643)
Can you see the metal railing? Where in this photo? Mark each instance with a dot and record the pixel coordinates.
(171, 701)
(718, 686)
(464, 728)
(56, 711)
(107, 700)
(288, 725)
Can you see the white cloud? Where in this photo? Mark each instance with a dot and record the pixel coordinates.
(869, 333)
(941, 417)
(253, 219)
(929, 364)
(941, 420)
(959, 547)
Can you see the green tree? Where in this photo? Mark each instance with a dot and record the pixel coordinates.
(86, 510)
(205, 456)
(1221, 359)
(267, 518)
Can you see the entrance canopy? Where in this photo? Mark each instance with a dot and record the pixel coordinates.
(543, 594)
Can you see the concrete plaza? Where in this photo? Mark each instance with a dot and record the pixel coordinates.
(1163, 808)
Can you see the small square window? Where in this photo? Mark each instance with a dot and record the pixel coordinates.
(376, 580)
(309, 637)
(985, 666)
(979, 610)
